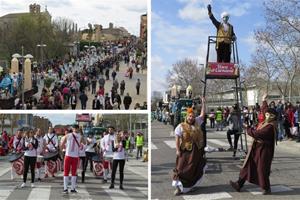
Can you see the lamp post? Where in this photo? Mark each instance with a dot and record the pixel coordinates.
(28, 56)
(41, 46)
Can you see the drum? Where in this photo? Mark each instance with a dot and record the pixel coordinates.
(97, 166)
(15, 156)
(51, 156)
(40, 158)
(17, 160)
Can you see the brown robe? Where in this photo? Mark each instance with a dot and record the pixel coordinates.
(257, 165)
(190, 163)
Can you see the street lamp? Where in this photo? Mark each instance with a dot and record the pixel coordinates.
(29, 56)
(41, 46)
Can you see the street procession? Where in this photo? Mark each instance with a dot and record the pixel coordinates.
(92, 149)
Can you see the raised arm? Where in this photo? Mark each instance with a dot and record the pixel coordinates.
(202, 114)
(212, 18)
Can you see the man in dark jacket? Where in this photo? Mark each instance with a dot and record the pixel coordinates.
(127, 101)
(83, 99)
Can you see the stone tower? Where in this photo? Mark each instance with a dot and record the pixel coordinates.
(34, 8)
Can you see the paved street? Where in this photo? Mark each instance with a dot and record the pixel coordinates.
(135, 185)
(285, 177)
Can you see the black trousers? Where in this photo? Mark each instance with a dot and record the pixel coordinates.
(223, 52)
(88, 157)
(236, 138)
(29, 161)
(121, 170)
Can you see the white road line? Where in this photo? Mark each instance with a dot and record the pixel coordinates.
(82, 193)
(170, 143)
(143, 174)
(4, 171)
(143, 190)
(6, 191)
(40, 193)
(274, 189)
(218, 142)
(153, 146)
(211, 196)
(116, 194)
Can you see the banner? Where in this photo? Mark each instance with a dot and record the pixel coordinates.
(222, 70)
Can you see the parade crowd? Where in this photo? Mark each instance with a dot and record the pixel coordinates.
(68, 81)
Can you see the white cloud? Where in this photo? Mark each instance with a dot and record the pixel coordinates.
(250, 41)
(194, 10)
(237, 8)
(121, 13)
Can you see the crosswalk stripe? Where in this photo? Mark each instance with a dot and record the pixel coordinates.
(274, 189)
(143, 190)
(153, 146)
(170, 143)
(211, 196)
(6, 191)
(4, 171)
(40, 193)
(218, 142)
(82, 193)
(140, 173)
(116, 194)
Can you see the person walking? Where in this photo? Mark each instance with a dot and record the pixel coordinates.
(139, 141)
(233, 129)
(118, 159)
(30, 147)
(73, 101)
(127, 101)
(122, 87)
(94, 84)
(219, 119)
(83, 99)
(137, 86)
(40, 151)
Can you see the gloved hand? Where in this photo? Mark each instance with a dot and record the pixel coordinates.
(234, 38)
(209, 8)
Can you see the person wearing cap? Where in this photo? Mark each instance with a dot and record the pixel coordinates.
(189, 149)
(257, 165)
(225, 35)
(73, 142)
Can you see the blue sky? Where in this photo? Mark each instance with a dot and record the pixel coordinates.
(180, 29)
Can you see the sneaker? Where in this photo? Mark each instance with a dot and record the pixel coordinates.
(104, 181)
(32, 185)
(111, 186)
(65, 191)
(73, 191)
(23, 185)
(121, 187)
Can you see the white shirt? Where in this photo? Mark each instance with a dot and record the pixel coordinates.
(89, 147)
(49, 144)
(72, 148)
(106, 144)
(120, 153)
(41, 141)
(18, 142)
(31, 152)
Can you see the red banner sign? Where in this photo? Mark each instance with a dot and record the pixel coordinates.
(222, 70)
(84, 118)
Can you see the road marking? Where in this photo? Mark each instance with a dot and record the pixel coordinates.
(116, 194)
(82, 193)
(274, 189)
(6, 191)
(40, 193)
(170, 143)
(143, 190)
(218, 142)
(4, 171)
(211, 196)
(153, 146)
(143, 174)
